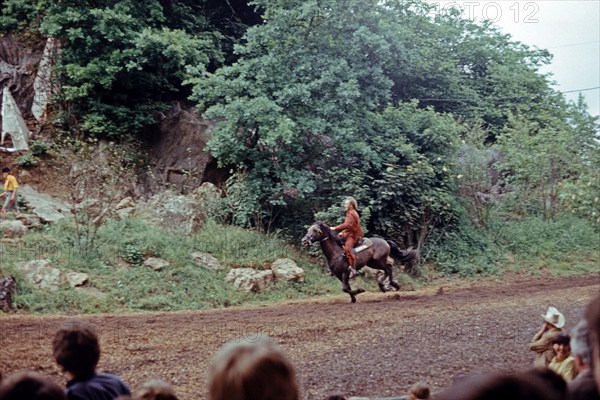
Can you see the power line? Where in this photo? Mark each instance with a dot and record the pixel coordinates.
(582, 90)
(505, 98)
(573, 44)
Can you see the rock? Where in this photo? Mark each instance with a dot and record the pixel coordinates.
(207, 261)
(171, 211)
(157, 264)
(127, 202)
(125, 212)
(47, 208)
(31, 221)
(209, 198)
(12, 228)
(41, 274)
(18, 60)
(179, 159)
(8, 288)
(287, 270)
(76, 279)
(249, 279)
(125, 208)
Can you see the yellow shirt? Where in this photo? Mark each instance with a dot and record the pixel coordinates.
(565, 368)
(10, 184)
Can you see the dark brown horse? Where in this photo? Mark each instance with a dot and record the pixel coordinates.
(375, 256)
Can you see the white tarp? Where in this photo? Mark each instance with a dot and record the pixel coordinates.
(13, 123)
(42, 86)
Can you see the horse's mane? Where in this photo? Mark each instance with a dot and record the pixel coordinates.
(325, 228)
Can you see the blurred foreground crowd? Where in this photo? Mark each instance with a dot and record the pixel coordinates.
(566, 367)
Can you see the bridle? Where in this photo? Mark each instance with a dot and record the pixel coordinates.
(321, 240)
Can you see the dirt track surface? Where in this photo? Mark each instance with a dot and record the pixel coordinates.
(377, 347)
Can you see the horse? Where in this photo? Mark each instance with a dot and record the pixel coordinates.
(376, 256)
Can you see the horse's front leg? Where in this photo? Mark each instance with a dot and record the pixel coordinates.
(346, 287)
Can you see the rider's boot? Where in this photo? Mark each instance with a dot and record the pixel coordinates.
(353, 271)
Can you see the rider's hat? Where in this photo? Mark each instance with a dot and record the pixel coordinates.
(554, 317)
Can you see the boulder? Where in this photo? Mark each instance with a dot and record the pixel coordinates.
(125, 208)
(209, 197)
(287, 270)
(31, 221)
(207, 261)
(41, 274)
(12, 228)
(8, 288)
(172, 211)
(47, 208)
(76, 279)
(157, 264)
(249, 279)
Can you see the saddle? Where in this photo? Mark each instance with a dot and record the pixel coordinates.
(361, 245)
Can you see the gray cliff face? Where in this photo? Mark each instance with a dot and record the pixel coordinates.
(176, 156)
(18, 68)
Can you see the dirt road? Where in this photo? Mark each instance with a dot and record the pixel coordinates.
(376, 347)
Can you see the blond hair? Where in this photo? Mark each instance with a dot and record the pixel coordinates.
(252, 369)
(352, 201)
(155, 389)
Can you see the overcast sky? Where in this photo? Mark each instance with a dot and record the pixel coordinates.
(570, 30)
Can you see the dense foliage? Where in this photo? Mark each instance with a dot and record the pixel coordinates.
(442, 129)
(123, 60)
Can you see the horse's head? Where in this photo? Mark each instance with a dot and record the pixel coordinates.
(317, 232)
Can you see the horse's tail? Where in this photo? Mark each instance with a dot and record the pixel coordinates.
(403, 255)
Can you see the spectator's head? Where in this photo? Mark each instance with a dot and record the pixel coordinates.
(562, 346)
(335, 396)
(155, 389)
(593, 319)
(419, 391)
(542, 384)
(554, 317)
(5, 171)
(580, 346)
(252, 368)
(30, 386)
(76, 349)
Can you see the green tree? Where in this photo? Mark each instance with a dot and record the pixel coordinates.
(123, 60)
(556, 151)
(308, 112)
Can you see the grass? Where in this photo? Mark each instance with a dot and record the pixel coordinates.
(114, 266)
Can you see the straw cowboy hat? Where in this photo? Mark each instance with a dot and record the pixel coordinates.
(554, 317)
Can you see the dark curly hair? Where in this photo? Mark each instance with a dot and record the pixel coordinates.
(76, 348)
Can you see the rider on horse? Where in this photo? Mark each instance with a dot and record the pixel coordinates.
(351, 230)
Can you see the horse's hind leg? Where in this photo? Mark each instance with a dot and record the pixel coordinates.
(389, 274)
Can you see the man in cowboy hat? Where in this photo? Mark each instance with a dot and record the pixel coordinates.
(542, 342)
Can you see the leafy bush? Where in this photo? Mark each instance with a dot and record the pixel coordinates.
(27, 160)
(39, 149)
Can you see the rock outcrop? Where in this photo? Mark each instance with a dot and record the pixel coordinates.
(47, 208)
(178, 159)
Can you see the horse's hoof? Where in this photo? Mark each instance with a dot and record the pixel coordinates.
(358, 291)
